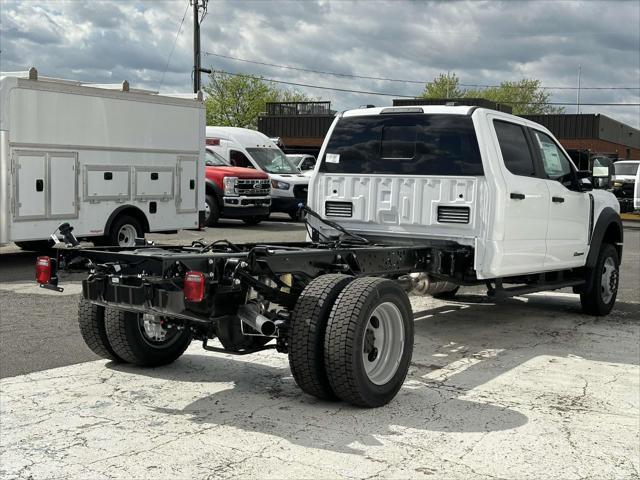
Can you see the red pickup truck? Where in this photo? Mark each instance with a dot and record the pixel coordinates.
(234, 192)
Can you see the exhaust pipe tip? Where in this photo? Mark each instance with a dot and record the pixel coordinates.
(268, 328)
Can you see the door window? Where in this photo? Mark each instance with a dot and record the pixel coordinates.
(515, 148)
(556, 165)
(239, 159)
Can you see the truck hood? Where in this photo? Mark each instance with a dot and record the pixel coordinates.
(291, 178)
(234, 172)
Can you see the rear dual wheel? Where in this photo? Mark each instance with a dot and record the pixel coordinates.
(130, 337)
(352, 339)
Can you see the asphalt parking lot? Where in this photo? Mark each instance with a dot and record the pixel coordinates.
(528, 388)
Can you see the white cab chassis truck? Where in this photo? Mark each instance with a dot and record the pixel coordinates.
(420, 199)
(116, 163)
(243, 147)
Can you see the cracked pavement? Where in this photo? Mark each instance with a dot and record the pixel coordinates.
(528, 388)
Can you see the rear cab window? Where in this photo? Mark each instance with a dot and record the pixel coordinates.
(514, 147)
(404, 144)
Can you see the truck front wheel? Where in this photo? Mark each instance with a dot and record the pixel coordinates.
(211, 211)
(369, 342)
(601, 289)
(145, 340)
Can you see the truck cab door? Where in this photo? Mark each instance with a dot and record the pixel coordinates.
(522, 245)
(569, 208)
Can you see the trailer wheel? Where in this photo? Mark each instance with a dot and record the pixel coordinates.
(369, 342)
(92, 329)
(306, 342)
(601, 290)
(211, 211)
(143, 340)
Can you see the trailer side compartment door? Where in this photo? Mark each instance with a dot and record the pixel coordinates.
(186, 200)
(63, 185)
(29, 193)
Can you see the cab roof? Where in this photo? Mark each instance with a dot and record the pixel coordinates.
(435, 109)
(243, 136)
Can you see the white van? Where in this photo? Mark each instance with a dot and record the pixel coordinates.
(243, 147)
(113, 161)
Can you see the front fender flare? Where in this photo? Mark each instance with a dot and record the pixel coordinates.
(608, 218)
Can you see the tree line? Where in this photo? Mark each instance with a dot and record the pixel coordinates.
(237, 101)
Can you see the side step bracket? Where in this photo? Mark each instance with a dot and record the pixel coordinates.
(501, 292)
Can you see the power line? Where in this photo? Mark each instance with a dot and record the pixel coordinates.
(399, 80)
(175, 41)
(384, 94)
(387, 94)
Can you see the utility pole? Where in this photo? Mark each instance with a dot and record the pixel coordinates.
(197, 69)
(578, 94)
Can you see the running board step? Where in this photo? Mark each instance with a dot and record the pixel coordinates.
(501, 292)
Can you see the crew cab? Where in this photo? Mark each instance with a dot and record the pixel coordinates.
(242, 147)
(235, 192)
(403, 199)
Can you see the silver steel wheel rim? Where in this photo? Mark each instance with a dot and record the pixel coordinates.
(154, 334)
(207, 211)
(127, 235)
(383, 343)
(609, 280)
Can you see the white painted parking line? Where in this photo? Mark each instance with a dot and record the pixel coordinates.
(507, 398)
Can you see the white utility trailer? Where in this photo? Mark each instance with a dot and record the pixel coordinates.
(113, 161)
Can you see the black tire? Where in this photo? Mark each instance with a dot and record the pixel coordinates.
(214, 211)
(306, 341)
(112, 236)
(345, 339)
(254, 220)
(128, 342)
(593, 297)
(36, 245)
(450, 295)
(92, 329)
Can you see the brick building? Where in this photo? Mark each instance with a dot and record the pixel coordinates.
(302, 126)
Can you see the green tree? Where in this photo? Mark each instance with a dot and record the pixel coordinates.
(445, 85)
(525, 97)
(236, 101)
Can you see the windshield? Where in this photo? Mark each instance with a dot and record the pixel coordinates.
(404, 144)
(625, 168)
(295, 159)
(212, 159)
(272, 160)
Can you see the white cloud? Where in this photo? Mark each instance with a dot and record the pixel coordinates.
(483, 42)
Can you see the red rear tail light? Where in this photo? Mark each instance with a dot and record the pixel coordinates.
(43, 269)
(194, 286)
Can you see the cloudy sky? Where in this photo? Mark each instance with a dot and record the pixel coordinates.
(484, 42)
